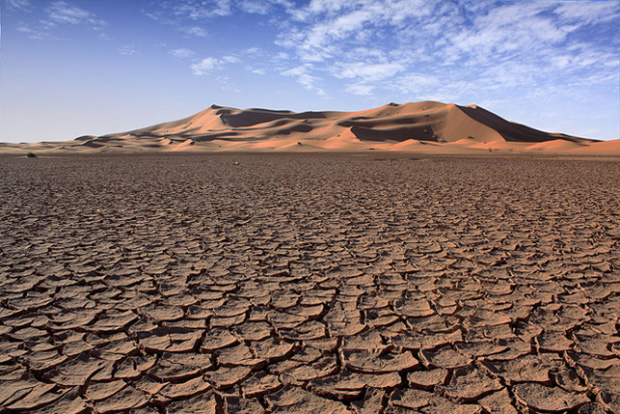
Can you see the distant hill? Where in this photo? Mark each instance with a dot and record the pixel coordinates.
(429, 127)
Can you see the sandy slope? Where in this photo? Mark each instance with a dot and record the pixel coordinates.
(429, 127)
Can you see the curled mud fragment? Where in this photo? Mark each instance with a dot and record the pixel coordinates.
(543, 398)
(217, 339)
(226, 377)
(97, 391)
(185, 389)
(427, 379)
(372, 363)
(38, 396)
(411, 399)
(498, 403)
(125, 399)
(470, 384)
(70, 403)
(203, 403)
(445, 357)
(243, 406)
(525, 369)
(260, 383)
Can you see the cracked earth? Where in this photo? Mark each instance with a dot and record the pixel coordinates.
(309, 283)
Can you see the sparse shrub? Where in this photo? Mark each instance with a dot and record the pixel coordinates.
(31, 155)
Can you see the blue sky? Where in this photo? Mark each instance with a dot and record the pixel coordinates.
(76, 67)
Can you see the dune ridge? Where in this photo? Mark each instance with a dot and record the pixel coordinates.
(445, 128)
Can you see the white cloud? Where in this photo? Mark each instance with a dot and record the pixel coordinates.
(366, 54)
(582, 12)
(127, 50)
(330, 26)
(512, 29)
(231, 59)
(255, 6)
(262, 6)
(195, 31)
(58, 13)
(253, 51)
(19, 4)
(36, 34)
(61, 12)
(317, 7)
(304, 78)
(320, 41)
(206, 66)
(367, 71)
(198, 9)
(182, 53)
(309, 82)
(418, 47)
(416, 83)
(493, 45)
(297, 71)
(178, 12)
(360, 89)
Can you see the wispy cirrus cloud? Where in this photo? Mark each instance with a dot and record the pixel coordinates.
(263, 6)
(367, 72)
(58, 13)
(197, 9)
(195, 31)
(325, 28)
(19, 4)
(415, 82)
(200, 10)
(211, 64)
(182, 53)
(587, 12)
(305, 78)
(61, 12)
(420, 47)
(206, 66)
(361, 89)
(33, 33)
(127, 50)
(514, 44)
(366, 75)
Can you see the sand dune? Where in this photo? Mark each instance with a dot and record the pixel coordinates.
(602, 148)
(446, 128)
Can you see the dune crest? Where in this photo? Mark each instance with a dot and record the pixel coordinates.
(445, 128)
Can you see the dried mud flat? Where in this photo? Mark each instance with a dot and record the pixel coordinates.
(309, 283)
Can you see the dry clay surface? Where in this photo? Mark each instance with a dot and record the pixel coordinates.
(309, 284)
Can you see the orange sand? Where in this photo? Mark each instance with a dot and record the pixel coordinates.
(424, 127)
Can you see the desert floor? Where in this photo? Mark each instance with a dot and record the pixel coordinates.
(309, 283)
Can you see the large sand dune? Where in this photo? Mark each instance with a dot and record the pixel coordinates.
(428, 127)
